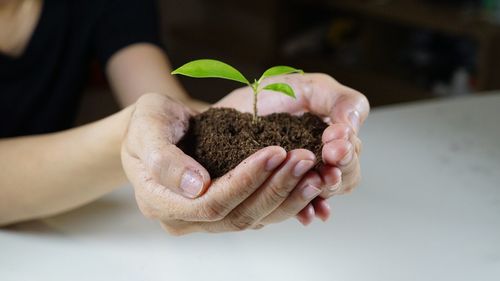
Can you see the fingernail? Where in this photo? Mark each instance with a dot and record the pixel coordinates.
(191, 183)
(355, 120)
(333, 181)
(274, 162)
(310, 192)
(302, 167)
(334, 188)
(348, 157)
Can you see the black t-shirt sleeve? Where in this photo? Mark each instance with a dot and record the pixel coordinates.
(123, 23)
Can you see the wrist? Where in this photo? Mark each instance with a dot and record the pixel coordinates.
(118, 125)
(106, 137)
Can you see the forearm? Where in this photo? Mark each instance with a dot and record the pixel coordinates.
(144, 68)
(48, 174)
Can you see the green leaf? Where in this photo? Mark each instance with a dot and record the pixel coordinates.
(206, 68)
(282, 88)
(279, 70)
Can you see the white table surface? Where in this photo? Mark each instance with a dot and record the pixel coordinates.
(428, 209)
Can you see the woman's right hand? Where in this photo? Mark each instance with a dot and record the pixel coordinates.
(268, 187)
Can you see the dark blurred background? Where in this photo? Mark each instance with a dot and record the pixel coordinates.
(392, 51)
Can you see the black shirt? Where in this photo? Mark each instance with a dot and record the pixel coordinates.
(41, 89)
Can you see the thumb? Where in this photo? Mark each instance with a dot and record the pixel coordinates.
(178, 172)
(156, 124)
(352, 108)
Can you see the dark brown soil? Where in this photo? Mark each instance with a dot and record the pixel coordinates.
(221, 138)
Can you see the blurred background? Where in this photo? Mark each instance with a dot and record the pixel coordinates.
(393, 51)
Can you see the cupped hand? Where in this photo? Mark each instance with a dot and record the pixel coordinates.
(269, 186)
(343, 108)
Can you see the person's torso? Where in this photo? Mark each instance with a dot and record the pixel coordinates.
(40, 88)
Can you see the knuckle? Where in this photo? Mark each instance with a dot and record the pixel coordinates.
(288, 211)
(246, 178)
(240, 222)
(154, 159)
(278, 192)
(214, 211)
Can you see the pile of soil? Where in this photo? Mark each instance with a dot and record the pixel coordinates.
(220, 138)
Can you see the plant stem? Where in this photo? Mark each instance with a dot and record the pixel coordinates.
(255, 107)
(255, 87)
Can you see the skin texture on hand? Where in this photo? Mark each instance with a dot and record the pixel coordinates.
(268, 187)
(325, 97)
(183, 176)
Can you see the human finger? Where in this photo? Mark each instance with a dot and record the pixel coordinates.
(272, 193)
(308, 189)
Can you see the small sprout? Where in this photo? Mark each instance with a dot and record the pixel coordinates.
(207, 68)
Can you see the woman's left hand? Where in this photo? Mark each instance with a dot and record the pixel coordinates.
(343, 108)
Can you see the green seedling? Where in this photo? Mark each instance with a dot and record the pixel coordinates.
(207, 68)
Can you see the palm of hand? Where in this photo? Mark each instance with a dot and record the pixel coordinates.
(325, 97)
